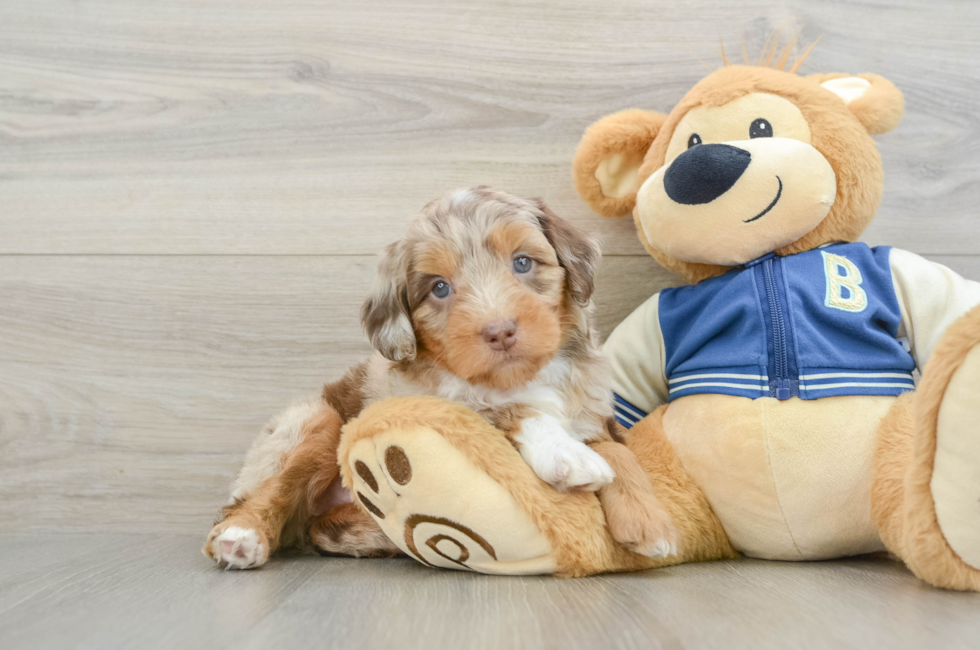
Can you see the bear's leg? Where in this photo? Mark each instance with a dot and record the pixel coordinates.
(450, 490)
(926, 490)
(700, 533)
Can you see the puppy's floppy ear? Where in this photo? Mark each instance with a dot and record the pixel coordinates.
(578, 252)
(385, 314)
(609, 156)
(874, 101)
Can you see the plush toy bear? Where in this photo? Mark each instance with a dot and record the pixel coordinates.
(788, 363)
(794, 429)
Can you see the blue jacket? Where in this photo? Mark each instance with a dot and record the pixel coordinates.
(817, 324)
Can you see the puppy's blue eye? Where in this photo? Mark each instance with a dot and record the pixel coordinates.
(522, 264)
(441, 289)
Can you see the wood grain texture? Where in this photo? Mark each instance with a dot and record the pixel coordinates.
(107, 592)
(252, 126)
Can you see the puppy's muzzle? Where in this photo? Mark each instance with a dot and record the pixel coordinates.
(500, 334)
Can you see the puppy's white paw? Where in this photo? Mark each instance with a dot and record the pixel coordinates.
(238, 548)
(589, 470)
(638, 521)
(663, 548)
(660, 548)
(568, 464)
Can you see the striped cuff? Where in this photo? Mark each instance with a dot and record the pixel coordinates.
(627, 414)
(825, 382)
(746, 381)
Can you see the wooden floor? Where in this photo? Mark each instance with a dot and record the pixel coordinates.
(192, 194)
(157, 591)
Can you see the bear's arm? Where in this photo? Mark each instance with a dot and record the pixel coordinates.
(635, 351)
(931, 297)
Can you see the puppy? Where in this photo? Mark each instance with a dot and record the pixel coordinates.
(486, 301)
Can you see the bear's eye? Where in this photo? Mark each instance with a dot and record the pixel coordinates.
(760, 129)
(693, 140)
(522, 264)
(441, 289)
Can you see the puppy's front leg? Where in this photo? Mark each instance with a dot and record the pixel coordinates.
(558, 458)
(635, 517)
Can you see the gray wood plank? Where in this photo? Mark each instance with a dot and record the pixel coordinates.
(158, 591)
(298, 127)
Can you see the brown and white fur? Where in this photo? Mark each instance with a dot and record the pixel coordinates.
(486, 301)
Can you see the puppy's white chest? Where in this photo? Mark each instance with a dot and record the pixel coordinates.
(538, 396)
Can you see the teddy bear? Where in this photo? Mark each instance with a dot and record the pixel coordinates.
(772, 401)
(783, 373)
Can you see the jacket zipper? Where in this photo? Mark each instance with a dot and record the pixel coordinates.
(783, 391)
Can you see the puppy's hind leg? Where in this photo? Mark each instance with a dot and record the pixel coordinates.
(273, 503)
(349, 531)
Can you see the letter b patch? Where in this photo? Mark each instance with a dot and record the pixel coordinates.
(844, 290)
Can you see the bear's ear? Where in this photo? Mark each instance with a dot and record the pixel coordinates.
(609, 156)
(875, 101)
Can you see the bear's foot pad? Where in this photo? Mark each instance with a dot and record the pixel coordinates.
(956, 471)
(438, 507)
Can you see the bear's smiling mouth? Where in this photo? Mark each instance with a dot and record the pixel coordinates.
(769, 207)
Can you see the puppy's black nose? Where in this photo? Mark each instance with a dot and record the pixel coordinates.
(500, 334)
(704, 172)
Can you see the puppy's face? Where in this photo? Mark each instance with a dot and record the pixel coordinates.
(488, 307)
(482, 286)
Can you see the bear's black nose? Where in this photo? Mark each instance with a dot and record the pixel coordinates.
(704, 172)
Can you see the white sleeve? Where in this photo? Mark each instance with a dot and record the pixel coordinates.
(635, 351)
(931, 298)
